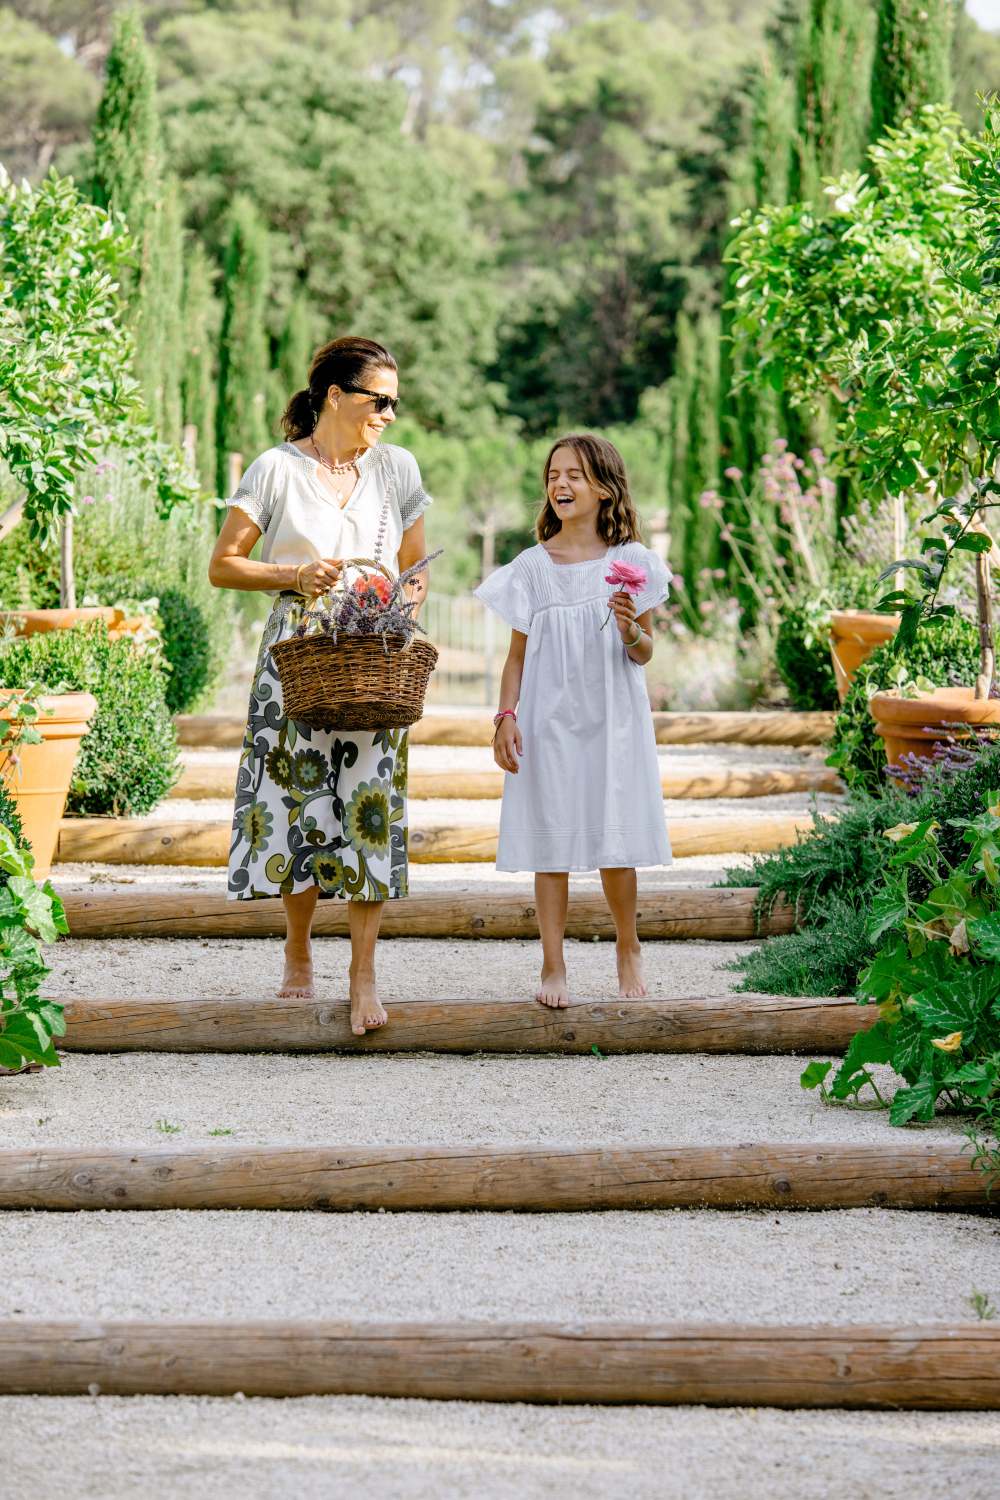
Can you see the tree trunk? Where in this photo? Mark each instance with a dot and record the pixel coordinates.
(67, 581)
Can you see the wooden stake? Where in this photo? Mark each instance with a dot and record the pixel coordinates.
(717, 1024)
(940, 1367)
(554, 1180)
(679, 912)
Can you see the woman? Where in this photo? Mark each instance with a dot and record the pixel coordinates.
(323, 813)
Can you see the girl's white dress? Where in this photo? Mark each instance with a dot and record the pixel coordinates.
(587, 795)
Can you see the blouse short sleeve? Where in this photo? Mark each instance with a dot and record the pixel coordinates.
(254, 495)
(658, 577)
(411, 496)
(506, 592)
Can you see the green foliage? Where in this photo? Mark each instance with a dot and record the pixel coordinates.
(802, 655)
(127, 129)
(825, 958)
(241, 420)
(187, 649)
(200, 338)
(128, 759)
(10, 819)
(911, 65)
(946, 654)
(30, 916)
(66, 391)
(831, 121)
(935, 921)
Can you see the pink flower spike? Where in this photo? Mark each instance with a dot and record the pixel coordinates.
(626, 578)
(87, 499)
(733, 472)
(780, 444)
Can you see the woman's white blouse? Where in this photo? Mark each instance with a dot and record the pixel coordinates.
(283, 494)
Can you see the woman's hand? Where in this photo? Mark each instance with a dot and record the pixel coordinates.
(623, 608)
(316, 577)
(506, 742)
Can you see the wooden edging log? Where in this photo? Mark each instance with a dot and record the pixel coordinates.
(205, 843)
(715, 1024)
(348, 1179)
(936, 1367)
(758, 727)
(203, 782)
(720, 912)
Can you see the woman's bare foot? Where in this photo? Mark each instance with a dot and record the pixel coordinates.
(631, 984)
(553, 989)
(367, 1011)
(297, 980)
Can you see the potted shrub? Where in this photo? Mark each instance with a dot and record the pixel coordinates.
(67, 393)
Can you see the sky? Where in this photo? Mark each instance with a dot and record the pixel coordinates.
(986, 12)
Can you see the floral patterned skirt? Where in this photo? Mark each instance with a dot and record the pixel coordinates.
(315, 807)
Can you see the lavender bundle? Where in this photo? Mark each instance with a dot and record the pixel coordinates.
(373, 605)
(946, 759)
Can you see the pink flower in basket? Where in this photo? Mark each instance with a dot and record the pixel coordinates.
(625, 578)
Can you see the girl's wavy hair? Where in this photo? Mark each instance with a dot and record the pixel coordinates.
(617, 519)
(344, 362)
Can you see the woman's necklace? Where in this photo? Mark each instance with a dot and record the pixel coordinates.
(339, 471)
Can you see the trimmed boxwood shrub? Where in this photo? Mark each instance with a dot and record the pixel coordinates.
(187, 649)
(945, 652)
(128, 759)
(802, 656)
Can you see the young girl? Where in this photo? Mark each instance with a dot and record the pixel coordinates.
(574, 730)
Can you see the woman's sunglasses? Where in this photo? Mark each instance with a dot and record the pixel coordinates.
(382, 402)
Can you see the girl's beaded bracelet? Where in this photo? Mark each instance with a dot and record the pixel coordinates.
(505, 713)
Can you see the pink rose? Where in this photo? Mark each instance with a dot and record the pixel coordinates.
(626, 578)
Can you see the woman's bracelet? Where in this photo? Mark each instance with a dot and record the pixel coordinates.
(298, 579)
(631, 645)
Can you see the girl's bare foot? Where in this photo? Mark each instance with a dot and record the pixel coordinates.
(553, 989)
(297, 980)
(367, 1011)
(631, 984)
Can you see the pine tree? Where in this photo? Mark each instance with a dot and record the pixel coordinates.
(127, 150)
(832, 106)
(244, 366)
(911, 66)
(198, 376)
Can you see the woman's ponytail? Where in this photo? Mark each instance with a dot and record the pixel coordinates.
(300, 415)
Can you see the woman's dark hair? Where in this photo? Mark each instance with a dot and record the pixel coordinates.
(344, 362)
(617, 519)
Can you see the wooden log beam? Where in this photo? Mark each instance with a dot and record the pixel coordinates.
(717, 1024)
(758, 727)
(936, 1367)
(347, 1179)
(721, 913)
(201, 782)
(204, 843)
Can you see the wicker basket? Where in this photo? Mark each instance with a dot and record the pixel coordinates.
(355, 682)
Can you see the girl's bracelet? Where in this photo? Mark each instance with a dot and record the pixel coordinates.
(505, 713)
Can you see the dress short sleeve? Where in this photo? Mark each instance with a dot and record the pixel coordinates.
(254, 495)
(506, 593)
(411, 496)
(658, 577)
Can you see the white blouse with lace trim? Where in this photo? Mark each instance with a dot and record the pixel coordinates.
(283, 495)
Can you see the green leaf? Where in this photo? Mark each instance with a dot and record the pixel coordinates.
(973, 541)
(37, 906)
(985, 934)
(814, 1075)
(873, 1046)
(956, 1005)
(916, 1103)
(888, 910)
(910, 1047)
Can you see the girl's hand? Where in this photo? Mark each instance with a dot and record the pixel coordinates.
(316, 577)
(623, 608)
(507, 742)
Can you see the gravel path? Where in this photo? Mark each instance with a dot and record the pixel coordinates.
(426, 1100)
(409, 968)
(337, 1448)
(860, 1265)
(681, 759)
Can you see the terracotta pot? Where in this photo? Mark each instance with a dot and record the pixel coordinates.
(38, 621)
(918, 724)
(854, 635)
(40, 781)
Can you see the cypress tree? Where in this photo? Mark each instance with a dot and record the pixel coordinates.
(911, 66)
(126, 136)
(701, 466)
(831, 114)
(680, 387)
(198, 375)
(244, 365)
(159, 335)
(295, 348)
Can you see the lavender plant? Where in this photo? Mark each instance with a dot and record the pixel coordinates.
(374, 605)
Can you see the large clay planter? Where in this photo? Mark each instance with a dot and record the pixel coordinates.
(854, 635)
(916, 725)
(40, 621)
(40, 781)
